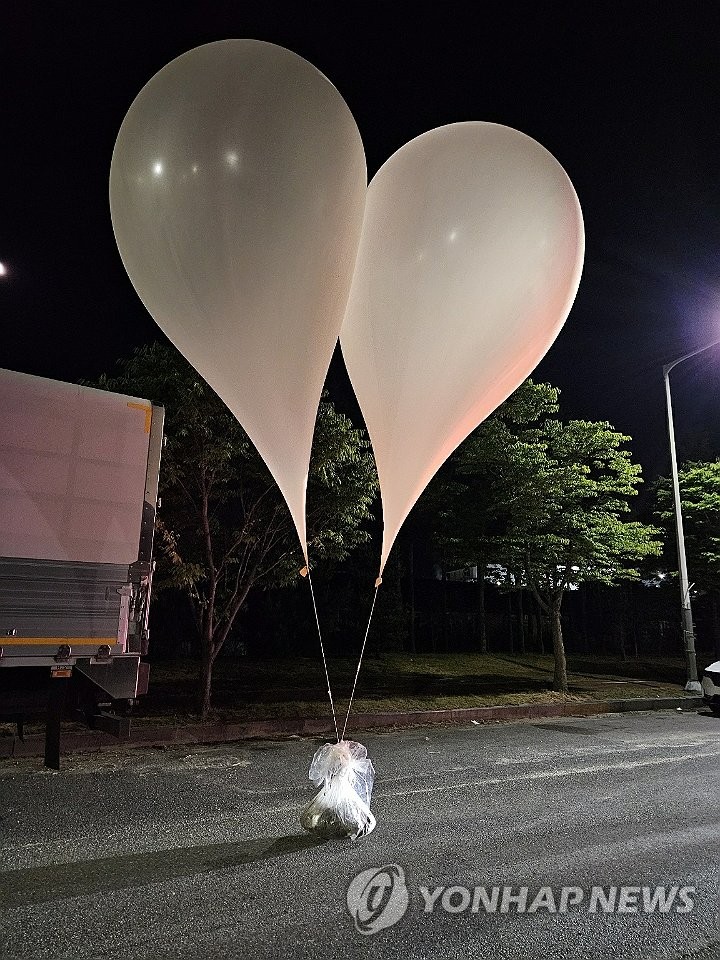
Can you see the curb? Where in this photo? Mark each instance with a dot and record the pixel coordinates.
(149, 736)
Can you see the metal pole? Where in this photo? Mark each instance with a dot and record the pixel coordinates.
(56, 704)
(692, 685)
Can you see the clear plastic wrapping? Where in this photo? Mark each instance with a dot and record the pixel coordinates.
(341, 807)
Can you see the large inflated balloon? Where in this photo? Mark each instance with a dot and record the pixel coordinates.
(237, 189)
(469, 261)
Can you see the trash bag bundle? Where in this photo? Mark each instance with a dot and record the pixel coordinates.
(341, 807)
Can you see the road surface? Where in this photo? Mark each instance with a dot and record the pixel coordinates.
(197, 853)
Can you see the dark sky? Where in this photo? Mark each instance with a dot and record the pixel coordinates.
(627, 98)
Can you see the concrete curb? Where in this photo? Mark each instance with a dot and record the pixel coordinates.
(154, 736)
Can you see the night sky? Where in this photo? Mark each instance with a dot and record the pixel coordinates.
(627, 99)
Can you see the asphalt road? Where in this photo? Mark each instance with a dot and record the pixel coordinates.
(199, 854)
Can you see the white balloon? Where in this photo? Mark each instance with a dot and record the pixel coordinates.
(237, 189)
(469, 261)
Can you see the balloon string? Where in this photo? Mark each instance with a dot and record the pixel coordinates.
(362, 651)
(322, 651)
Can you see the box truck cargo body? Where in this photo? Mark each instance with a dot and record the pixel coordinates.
(78, 494)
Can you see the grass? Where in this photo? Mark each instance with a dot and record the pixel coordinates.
(245, 689)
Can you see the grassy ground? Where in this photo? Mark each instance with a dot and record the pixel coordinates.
(246, 689)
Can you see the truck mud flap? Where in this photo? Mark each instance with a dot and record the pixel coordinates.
(118, 677)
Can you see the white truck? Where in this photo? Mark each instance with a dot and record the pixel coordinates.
(78, 494)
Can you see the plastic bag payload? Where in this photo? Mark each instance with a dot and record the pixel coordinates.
(341, 807)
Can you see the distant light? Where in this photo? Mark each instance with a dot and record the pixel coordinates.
(194, 168)
(3, 270)
(232, 159)
(452, 236)
(157, 168)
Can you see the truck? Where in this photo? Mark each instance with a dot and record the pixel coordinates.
(79, 471)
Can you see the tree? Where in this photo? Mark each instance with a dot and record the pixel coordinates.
(224, 528)
(700, 497)
(571, 526)
(546, 502)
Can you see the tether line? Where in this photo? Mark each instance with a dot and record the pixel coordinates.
(362, 651)
(322, 651)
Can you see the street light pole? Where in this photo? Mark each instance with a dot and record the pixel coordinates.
(692, 685)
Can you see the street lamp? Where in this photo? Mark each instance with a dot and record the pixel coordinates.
(692, 685)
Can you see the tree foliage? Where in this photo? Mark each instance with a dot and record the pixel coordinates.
(573, 526)
(700, 498)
